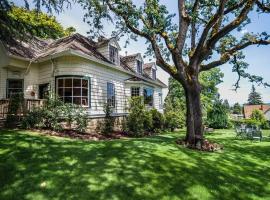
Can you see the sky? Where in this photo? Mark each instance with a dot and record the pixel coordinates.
(257, 57)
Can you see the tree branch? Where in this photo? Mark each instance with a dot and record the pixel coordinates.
(263, 7)
(206, 30)
(230, 27)
(225, 57)
(184, 22)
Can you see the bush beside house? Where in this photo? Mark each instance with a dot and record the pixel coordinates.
(56, 115)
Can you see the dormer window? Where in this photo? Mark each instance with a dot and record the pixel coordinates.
(113, 54)
(154, 74)
(139, 67)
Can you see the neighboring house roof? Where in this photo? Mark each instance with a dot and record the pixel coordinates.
(36, 49)
(248, 109)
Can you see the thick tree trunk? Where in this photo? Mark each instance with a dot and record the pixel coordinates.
(194, 123)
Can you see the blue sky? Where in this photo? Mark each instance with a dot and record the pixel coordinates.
(257, 57)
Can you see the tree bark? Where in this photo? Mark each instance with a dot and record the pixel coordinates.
(194, 123)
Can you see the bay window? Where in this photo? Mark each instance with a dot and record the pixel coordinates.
(75, 90)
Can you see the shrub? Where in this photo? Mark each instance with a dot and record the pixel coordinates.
(53, 113)
(173, 120)
(148, 121)
(265, 125)
(136, 119)
(108, 125)
(247, 122)
(257, 115)
(157, 120)
(173, 116)
(217, 117)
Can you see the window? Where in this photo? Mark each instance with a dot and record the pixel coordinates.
(154, 74)
(110, 94)
(44, 90)
(135, 91)
(14, 86)
(139, 67)
(160, 100)
(74, 90)
(113, 54)
(148, 96)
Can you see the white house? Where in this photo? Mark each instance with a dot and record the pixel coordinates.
(80, 71)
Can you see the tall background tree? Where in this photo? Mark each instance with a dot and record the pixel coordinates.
(237, 109)
(254, 98)
(18, 23)
(209, 81)
(196, 39)
(40, 24)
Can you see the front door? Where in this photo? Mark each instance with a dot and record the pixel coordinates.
(44, 91)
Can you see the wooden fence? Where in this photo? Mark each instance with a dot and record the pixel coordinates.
(30, 104)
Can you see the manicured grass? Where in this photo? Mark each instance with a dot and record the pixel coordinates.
(40, 167)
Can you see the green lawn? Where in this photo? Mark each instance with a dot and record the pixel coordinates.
(41, 167)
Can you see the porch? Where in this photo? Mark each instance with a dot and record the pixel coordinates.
(30, 104)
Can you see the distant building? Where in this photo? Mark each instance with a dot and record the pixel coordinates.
(248, 109)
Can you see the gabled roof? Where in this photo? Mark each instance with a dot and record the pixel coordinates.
(75, 42)
(23, 49)
(147, 66)
(248, 109)
(130, 58)
(102, 41)
(36, 49)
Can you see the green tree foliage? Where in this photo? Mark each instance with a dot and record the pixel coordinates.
(254, 98)
(174, 113)
(13, 26)
(109, 120)
(226, 105)
(41, 24)
(136, 118)
(209, 81)
(237, 109)
(258, 116)
(217, 117)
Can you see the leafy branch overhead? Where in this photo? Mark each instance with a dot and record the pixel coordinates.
(200, 37)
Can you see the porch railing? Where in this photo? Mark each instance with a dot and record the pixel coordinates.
(30, 104)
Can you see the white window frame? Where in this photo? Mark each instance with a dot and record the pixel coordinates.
(160, 100)
(115, 58)
(154, 74)
(72, 88)
(135, 88)
(113, 100)
(139, 66)
(148, 88)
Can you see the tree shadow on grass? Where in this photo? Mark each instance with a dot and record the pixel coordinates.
(33, 166)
